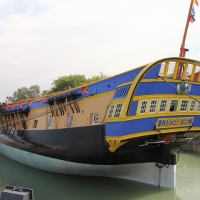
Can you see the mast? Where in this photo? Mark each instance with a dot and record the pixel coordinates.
(183, 49)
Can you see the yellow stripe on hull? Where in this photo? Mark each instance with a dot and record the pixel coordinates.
(149, 133)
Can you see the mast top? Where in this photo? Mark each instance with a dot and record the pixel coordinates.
(183, 49)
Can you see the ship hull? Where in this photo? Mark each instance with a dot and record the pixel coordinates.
(118, 127)
(86, 145)
(141, 172)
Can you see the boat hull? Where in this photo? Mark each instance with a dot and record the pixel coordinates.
(137, 118)
(87, 145)
(141, 172)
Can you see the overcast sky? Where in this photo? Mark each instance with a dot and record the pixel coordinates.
(41, 40)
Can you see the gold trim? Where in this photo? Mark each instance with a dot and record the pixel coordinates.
(166, 68)
(127, 83)
(149, 133)
(185, 70)
(197, 135)
(159, 96)
(175, 70)
(174, 122)
(141, 75)
(193, 72)
(153, 115)
(169, 80)
(114, 144)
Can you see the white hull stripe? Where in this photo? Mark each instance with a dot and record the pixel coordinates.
(142, 172)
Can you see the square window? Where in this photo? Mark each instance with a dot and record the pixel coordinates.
(192, 105)
(163, 105)
(49, 123)
(173, 105)
(70, 121)
(118, 110)
(111, 111)
(184, 105)
(153, 106)
(95, 118)
(143, 106)
(198, 107)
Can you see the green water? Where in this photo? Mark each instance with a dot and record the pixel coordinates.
(50, 186)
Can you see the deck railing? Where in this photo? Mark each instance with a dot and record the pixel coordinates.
(180, 70)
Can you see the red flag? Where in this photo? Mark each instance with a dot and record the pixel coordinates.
(84, 90)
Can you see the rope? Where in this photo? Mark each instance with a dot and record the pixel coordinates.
(163, 78)
(43, 113)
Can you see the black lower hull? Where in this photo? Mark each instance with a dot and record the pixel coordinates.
(86, 145)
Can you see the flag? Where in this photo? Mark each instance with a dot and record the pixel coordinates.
(84, 90)
(192, 19)
(196, 2)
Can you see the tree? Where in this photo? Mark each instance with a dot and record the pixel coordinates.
(20, 94)
(95, 78)
(44, 92)
(34, 91)
(66, 82)
(71, 81)
(25, 93)
(62, 83)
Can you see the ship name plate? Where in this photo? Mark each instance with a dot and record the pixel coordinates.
(174, 122)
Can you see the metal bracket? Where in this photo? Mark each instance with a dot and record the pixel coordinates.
(147, 142)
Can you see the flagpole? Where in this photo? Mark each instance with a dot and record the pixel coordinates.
(183, 49)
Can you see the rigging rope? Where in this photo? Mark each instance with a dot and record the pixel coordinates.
(163, 78)
(42, 113)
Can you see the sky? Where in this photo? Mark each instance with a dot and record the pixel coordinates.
(41, 40)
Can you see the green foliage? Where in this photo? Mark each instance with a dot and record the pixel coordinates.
(62, 83)
(66, 82)
(34, 91)
(44, 92)
(95, 78)
(25, 93)
(71, 81)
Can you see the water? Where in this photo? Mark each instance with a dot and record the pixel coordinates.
(50, 186)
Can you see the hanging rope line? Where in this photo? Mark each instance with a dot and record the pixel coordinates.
(163, 78)
(43, 113)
